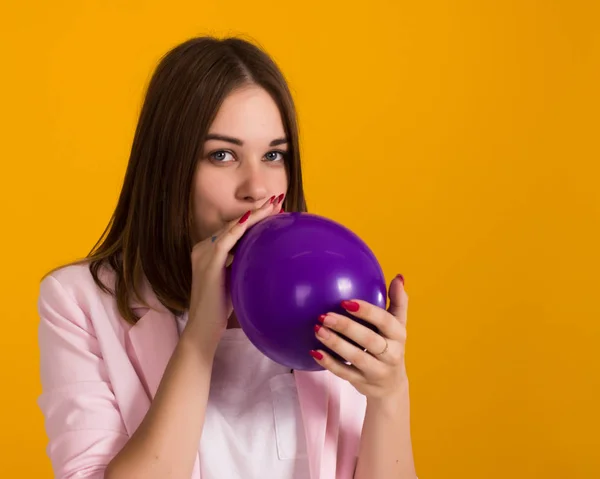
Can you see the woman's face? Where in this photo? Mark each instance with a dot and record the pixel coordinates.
(242, 163)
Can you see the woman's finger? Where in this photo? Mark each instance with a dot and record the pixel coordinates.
(343, 371)
(398, 299)
(224, 242)
(384, 321)
(353, 330)
(361, 360)
(268, 207)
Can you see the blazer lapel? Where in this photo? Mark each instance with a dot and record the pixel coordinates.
(154, 338)
(318, 394)
(329, 459)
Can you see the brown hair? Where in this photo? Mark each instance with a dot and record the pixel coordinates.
(149, 232)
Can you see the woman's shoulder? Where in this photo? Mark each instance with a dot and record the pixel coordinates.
(69, 296)
(77, 282)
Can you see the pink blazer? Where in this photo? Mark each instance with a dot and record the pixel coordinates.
(99, 375)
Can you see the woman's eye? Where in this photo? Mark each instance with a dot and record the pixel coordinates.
(275, 155)
(221, 156)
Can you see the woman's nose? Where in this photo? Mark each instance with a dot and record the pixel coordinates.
(252, 186)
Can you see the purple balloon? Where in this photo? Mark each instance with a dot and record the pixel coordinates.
(291, 268)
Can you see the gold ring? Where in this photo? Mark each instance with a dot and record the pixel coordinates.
(384, 349)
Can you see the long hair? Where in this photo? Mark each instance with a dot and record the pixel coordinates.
(148, 235)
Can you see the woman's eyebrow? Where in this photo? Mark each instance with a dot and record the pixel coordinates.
(237, 141)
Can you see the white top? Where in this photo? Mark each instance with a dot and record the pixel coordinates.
(253, 426)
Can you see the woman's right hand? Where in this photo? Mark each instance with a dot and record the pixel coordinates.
(210, 304)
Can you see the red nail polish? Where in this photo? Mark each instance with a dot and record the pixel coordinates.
(280, 198)
(244, 218)
(272, 199)
(317, 327)
(322, 318)
(401, 277)
(351, 306)
(316, 354)
(282, 211)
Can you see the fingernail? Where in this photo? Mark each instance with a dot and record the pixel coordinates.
(272, 199)
(317, 327)
(329, 320)
(244, 218)
(322, 318)
(282, 211)
(351, 306)
(401, 277)
(280, 198)
(316, 354)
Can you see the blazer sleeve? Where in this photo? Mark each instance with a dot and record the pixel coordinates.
(81, 416)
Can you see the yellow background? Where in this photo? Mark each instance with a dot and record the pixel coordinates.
(459, 138)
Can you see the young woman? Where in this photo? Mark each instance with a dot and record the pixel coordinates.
(145, 371)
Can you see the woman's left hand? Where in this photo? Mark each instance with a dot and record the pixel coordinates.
(379, 371)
